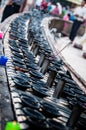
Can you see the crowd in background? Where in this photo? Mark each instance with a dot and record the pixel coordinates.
(55, 9)
(47, 6)
(77, 15)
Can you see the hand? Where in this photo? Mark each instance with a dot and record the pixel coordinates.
(10, 2)
(76, 15)
(81, 17)
(84, 23)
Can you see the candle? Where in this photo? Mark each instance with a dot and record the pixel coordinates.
(12, 126)
(3, 60)
(1, 35)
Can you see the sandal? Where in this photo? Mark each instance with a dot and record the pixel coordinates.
(78, 46)
(84, 55)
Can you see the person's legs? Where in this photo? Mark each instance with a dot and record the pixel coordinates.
(84, 55)
(15, 8)
(9, 10)
(74, 29)
(6, 13)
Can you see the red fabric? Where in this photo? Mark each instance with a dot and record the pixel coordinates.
(44, 5)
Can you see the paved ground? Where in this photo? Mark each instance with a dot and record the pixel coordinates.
(6, 112)
(73, 57)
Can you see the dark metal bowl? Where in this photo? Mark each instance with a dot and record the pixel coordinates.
(30, 101)
(50, 110)
(40, 91)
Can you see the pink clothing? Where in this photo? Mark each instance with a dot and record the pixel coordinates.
(55, 11)
(66, 18)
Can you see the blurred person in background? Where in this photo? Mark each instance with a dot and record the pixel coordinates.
(30, 5)
(55, 11)
(63, 11)
(49, 6)
(13, 6)
(79, 18)
(44, 5)
(59, 7)
(38, 4)
(72, 17)
(66, 18)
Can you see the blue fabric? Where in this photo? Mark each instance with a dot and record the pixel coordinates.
(47, 0)
(72, 17)
(49, 8)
